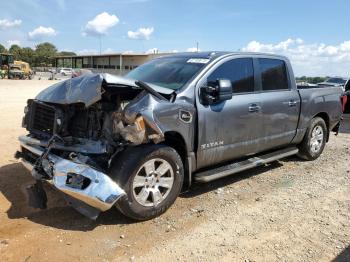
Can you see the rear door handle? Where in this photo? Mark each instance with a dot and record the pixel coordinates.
(254, 108)
(292, 103)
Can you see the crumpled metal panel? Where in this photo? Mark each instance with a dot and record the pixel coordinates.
(102, 192)
(83, 145)
(123, 81)
(87, 89)
(162, 116)
(144, 105)
(84, 89)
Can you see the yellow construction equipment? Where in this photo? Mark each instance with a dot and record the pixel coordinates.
(20, 70)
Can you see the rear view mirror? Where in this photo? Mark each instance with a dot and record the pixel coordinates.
(220, 92)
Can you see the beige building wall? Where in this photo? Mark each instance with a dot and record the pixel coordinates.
(118, 64)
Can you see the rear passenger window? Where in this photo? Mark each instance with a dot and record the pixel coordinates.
(273, 74)
(240, 71)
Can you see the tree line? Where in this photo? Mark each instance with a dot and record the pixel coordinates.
(42, 55)
(311, 80)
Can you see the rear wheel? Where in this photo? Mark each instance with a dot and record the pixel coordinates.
(315, 140)
(151, 176)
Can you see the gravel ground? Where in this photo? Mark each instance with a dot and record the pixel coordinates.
(290, 210)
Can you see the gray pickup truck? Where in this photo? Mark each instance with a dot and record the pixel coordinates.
(136, 142)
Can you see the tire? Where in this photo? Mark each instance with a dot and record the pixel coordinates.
(142, 200)
(314, 140)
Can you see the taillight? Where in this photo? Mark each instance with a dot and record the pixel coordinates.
(344, 100)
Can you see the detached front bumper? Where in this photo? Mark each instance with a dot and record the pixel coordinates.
(79, 181)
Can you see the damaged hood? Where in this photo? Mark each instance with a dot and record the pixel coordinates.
(87, 89)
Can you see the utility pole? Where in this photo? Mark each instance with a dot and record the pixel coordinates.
(197, 47)
(100, 44)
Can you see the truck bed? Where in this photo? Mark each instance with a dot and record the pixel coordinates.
(319, 100)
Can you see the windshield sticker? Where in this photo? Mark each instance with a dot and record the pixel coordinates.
(198, 60)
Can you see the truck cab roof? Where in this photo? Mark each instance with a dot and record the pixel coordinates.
(212, 55)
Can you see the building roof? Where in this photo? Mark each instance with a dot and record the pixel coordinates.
(212, 55)
(208, 54)
(111, 54)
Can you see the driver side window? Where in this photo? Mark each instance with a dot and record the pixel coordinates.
(240, 71)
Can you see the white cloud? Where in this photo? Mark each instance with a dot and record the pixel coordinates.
(87, 52)
(193, 49)
(95, 51)
(128, 52)
(100, 24)
(299, 41)
(41, 32)
(141, 33)
(9, 43)
(310, 59)
(6, 24)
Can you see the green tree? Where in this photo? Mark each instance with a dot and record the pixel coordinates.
(311, 80)
(66, 53)
(28, 55)
(45, 53)
(2, 49)
(16, 51)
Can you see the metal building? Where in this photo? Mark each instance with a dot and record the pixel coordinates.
(118, 63)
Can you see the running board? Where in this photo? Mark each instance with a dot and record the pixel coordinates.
(213, 174)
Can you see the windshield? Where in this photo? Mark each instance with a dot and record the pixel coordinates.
(169, 72)
(335, 80)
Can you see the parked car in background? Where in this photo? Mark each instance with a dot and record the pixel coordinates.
(79, 72)
(336, 81)
(66, 71)
(306, 84)
(15, 72)
(136, 142)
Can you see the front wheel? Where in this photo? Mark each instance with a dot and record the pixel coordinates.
(152, 178)
(315, 140)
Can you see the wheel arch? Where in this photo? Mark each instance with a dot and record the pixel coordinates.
(175, 140)
(325, 117)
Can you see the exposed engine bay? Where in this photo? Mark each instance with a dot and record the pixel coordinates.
(94, 128)
(78, 126)
(82, 120)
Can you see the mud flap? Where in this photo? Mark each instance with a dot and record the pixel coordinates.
(36, 195)
(337, 127)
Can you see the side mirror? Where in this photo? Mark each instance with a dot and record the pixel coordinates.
(220, 92)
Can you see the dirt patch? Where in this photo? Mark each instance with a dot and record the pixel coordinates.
(290, 210)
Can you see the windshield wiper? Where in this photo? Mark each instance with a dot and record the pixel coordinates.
(150, 90)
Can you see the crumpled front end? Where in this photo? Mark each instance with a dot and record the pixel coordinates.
(74, 178)
(78, 127)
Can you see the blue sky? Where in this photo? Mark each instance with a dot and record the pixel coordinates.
(315, 32)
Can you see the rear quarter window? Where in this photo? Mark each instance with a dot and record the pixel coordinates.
(273, 74)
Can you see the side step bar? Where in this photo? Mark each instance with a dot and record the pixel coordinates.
(213, 174)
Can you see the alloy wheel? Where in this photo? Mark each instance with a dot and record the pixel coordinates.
(153, 182)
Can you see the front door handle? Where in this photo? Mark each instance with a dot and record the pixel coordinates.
(292, 103)
(254, 108)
